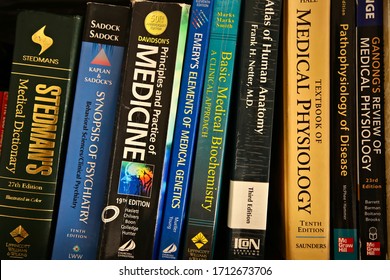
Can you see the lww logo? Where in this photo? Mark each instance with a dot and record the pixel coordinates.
(75, 256)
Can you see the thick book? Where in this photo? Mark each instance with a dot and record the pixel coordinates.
(91, 131)
(185, 134)
(307, 129)
(201, 225)
(3, 112)
(41, 89)
(253, 127)
(344, 221)
(144, 130)
(370, 130)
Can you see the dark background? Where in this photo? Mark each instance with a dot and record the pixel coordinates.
(9, 10)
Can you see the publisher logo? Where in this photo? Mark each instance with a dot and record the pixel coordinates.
(373, 233)
(76, 248)
(199, 240)
(373, 248)
(345, 245)
(19, 234)
(128, 246)
(247, 246)
(170, 249)
(41, 39)
(156, 23)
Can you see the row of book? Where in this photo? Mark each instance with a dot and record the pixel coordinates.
(221, 129)
(334, 124)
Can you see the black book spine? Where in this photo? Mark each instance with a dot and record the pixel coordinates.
(41, 90)
(253, 120)
(343, 130)
(144, 128)
(371, 145)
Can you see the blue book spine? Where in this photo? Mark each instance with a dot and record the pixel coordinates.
(184, 139)
(91, 132)
(178, 71)
(207, 181)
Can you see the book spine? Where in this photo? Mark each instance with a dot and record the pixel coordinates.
(180, 51)
(3, 112)
(370, 128)
(253, 121)
(207, 179)
(91, 131)
(1, 98)
(343, 131)
(41, 85)
(307, 129)
(185, 135)
(143, 138)
(386, 24)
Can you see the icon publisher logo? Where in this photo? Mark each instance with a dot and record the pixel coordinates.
(247, 246)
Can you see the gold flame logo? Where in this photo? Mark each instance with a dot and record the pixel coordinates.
(199, 240)
(41, 39)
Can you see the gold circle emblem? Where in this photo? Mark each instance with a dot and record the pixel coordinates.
(156, 22)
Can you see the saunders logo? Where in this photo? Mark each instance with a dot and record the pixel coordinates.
(41, 39)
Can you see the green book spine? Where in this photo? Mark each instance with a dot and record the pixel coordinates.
(207, 180)
(41, 85)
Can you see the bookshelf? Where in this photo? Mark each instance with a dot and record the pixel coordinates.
(10, 8)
